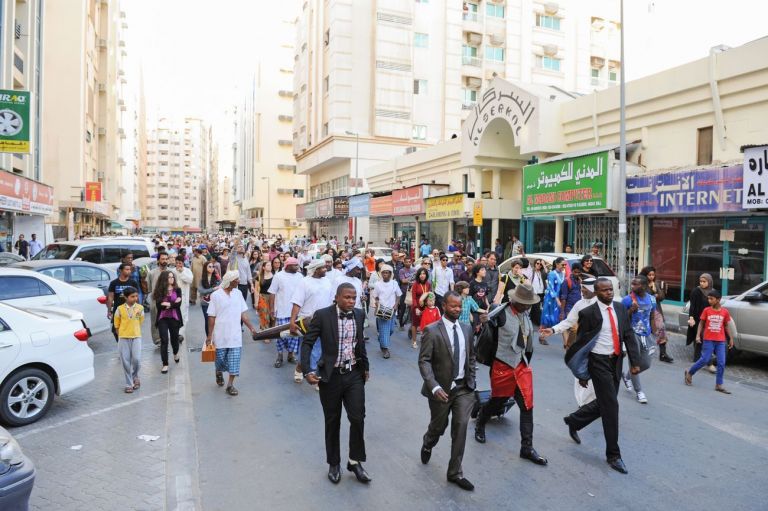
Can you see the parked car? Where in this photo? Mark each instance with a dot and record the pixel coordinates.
(42, 353)
(749, 311)
(25, 288)
(383, 253)
(17, 473)
(72, 272)
(603, 270)
(316, 249)
(105, 252)
(7, 258)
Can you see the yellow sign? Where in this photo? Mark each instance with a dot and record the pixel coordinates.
(477, 214)
(445, 207)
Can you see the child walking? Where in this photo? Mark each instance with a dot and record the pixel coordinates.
(128, 318)
(430, 313)
(468, 304)
(714, 321)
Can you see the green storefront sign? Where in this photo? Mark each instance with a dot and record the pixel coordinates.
(565, 186)
(14, 121)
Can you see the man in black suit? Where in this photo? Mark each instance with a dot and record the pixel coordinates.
(597, 355)
(341, 373)
(447, 365)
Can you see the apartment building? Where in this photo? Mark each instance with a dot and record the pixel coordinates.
(375, 80)
(177, 162)
(84, 108)
(20, 69)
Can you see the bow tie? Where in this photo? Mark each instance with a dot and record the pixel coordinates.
(347, 315)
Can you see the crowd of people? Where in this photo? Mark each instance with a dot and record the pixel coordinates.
(460, 312)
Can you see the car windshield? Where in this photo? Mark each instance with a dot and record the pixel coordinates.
(56, 251)
(383, 252)
(602, 269)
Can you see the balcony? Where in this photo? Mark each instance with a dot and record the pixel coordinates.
(467, 105)
(471, 61)
(469, 16)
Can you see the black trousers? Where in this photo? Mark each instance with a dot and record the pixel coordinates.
(606, 372)
(459, 407)
(495, 405)
(244, 289)
(349, 390)
(439, 299)
(169, 331)
(536, 311)
(401, 307)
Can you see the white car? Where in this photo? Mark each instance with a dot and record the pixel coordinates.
(383, 253)
(25, 288)
(315, 249)
(603, 270)
(42, 353)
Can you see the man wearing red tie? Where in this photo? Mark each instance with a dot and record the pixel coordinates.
(604, 329)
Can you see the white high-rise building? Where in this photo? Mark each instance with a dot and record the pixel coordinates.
(402, 74)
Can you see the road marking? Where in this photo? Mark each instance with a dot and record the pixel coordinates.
(90, 414)
(736, 429)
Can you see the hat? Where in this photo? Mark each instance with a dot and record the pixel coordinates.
(291, 260)
(352, 264)
(315, 264)
(327, 258)
(523, 294)
(229, 277)
(386, 267)
(589, 283)
(202, 247)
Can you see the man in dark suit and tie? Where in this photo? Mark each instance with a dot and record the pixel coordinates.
(341, 373)
(597, 355)
(447, 365)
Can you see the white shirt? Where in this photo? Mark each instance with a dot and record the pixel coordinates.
(573, 316)
(604, 344)
(350, 280)
(34, 247)
(462, 348)
(537, 283)
(228, 309)
(283, 286)
(312, 294)
(444, 279)
(387, 293)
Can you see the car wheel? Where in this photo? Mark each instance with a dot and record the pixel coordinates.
(26, 397)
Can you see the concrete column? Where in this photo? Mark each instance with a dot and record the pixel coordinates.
(450, 235)
(477, 181)
(496, 184)
(494, 232)
(417, 241)
(642, 243)
(559, 234)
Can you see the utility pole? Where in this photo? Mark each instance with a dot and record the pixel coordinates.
(357, 172)
(622, 163)
(269, 207)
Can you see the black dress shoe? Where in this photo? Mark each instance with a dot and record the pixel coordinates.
(425, 454)
(480, 433)
(530, 453)
(359, 472)
(618, 465)
(334, 473)
(462, 483)
(666, 358)
(572, 431)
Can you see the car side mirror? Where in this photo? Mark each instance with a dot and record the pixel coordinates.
(753, 296)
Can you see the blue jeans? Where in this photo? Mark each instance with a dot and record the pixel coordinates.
(314, 357)
(706, 354)
(385, 328)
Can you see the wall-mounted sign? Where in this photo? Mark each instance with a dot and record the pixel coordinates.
(445, 207)
(505, 101)
(18, 193)
(301, 211)
(565, 186)
(381, 206)
(93, 191)
(310, 210)
(324, 208)
(14, 121)
(360, 205)
(477, 214)
(755, 189)
(408, 201)
(340, 207)
(686, 191)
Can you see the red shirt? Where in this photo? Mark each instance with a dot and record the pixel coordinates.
(428, 316)
(715, 323)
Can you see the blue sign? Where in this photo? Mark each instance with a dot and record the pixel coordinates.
(686, 191)
(360, 205)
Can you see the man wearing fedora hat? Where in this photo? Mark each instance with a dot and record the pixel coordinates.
(511, 334)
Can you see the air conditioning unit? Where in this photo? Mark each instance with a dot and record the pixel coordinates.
(410, 149)
(295, 223)
(102, 131)
(100, 175)
(474, 82)
(102, 43)
(286, 222)
(102, 87)
(551, 8)
(549, 49)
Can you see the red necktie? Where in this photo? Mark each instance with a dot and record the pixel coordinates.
(614, 333)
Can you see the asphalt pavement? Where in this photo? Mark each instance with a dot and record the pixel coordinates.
(688, 448)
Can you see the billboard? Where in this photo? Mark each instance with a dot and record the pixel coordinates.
(14, 121)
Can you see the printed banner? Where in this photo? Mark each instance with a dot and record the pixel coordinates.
(18, 193)
(93, 191)
(360, 205)
(445, 207)
(381, 206)
(14, 121)
(408, 201)
(564, 186)
(755, 189)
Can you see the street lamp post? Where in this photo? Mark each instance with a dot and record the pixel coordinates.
(269, 207)
(357, 171)
(622, 252)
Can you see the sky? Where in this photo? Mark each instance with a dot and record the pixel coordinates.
(194, 54)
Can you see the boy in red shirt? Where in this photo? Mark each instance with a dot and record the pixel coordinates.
(714, 321)
(430, 313)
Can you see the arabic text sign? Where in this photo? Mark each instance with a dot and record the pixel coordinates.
(14, 121)
(340, 206)
(445, 207)
(755, 189)
(575, 184)
(686, 191)
(501, 101)
(324, 208)
(93, 191)
(360, 205)
(477, 214)
(21, 194)
(381, 206)
(408, 201)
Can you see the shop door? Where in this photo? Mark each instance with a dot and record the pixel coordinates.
(744, 257)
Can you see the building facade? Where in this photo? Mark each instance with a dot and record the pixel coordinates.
(346, 49)
(177, 163)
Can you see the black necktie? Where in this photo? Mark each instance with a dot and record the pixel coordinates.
(347, 315)
(456, 351)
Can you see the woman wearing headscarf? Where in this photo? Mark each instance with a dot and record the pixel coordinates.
(550, 314)
(698, 304)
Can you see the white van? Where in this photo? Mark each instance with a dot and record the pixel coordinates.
(106, 252)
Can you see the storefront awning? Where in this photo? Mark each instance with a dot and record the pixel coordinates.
(116, 225)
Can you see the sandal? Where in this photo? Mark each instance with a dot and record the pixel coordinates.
(136, 384)
(176, 358)
(291, 358)
(413, 345)
(219, 379)
(129, 390)
(232, 391)
(164, 370)
(722, 389)
(688, 378)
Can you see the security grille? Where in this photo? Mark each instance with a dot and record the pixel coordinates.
(393, 18)
(393, 66)
(604, 229)
(392, 114)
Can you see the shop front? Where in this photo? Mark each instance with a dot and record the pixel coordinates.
(84, 218)
(24, 204)
(380, 219)
(407, 205)
(359, 213)
(331, 218)
(441, 214)
(697, 224)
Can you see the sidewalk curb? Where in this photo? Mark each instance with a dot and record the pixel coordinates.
(182, 479)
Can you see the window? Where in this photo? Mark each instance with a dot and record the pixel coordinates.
(704, 146)
(325, 129)
(57, 272)
(419, 132)
(22, 287)
(595, 73)
(494, 53)
(469, 51)
(469, 56)
(326, 84)
(469, 12)
(549, 63)
(469, 96)
(91, 254)
(550, 22)
(494, 10)
(420, 87)
(112, 254)
(421, 40)
(422, 1)
(612, 74)
(87, 274)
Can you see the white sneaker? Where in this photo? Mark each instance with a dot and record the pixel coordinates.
(641, 398)
(712, 368)
(297, 376)
(628, 384)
